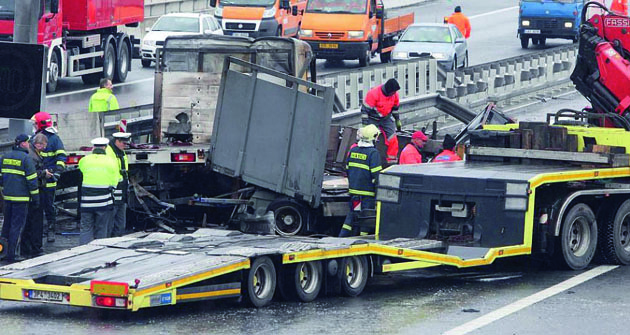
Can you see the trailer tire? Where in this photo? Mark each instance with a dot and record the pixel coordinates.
(301, 282)
(109, 61)
(615, 239)
(53, 73)
(122, 62)
(578, 237)
(261, 282)
(353, 272)
(290, 216)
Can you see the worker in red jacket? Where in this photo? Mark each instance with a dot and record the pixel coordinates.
(619, 7)
(448, 154)
(411, 153)
(379, 108)
(460, 21)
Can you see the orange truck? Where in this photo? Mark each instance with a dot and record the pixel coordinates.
(351, 29)
(258, 18)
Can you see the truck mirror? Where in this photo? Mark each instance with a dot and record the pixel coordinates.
(285, 4)
(379, 12)
(213, 3)
(294, 11)
(147, 29)
(54, 6)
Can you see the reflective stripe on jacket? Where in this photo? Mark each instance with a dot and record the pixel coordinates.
(100, 177)
(54, 156)
(103, 100)
(19, 178)
(410, 155)
(121, 187)
(376, 99)
(364, 164)
(446, 156)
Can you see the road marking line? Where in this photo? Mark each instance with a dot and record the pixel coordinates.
(93, 89)
(528, 301)
(493, 12)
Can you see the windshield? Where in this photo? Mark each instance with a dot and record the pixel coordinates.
(427, 34)
(337, 6)
(177, 24)
(250, 3)
(7, 7)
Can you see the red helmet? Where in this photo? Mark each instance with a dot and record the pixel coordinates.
(42, 120)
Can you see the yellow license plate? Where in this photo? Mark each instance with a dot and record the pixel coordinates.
(328, 46)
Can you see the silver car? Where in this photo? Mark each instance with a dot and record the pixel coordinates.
(443, 42)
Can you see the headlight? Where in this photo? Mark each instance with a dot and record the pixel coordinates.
(389, 180)
(306, 33)
(218, 12)
(149, 43)
(568, 24)
(269, 12)
(401, 55)
(387, 195)
(525, 23)
(439, 55)
(355, 34)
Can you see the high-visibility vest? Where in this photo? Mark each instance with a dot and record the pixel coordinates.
(100, 177)
(446, 156)
(122, 180)
(103, 100)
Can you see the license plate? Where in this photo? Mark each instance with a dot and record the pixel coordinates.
(532, 31)
(241, 34)
(45, 295)
(328, 46)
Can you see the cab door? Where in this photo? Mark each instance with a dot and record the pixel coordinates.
(49, 26)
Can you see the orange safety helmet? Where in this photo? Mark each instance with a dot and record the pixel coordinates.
(42, 120)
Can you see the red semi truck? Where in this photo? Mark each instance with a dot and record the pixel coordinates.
(82, 37)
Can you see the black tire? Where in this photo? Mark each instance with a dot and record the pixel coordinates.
(301, 282)
(353, 273)
(578, 237)
(614, 240)
(466, 64)
(524, 42)
(386, 57)
(535, 41)
(542, 41)
(122, 63)
(146, 62)
(365, 58)
(454, 66)
(53, 73)
(109, 61)
(291, 217)
(261, 282)
(278, 31)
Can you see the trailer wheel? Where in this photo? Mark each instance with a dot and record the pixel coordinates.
(290, 217)
(122, 63)
(261, 282)
(365, 58)
(53, 73)
(615, 245)
(109, 61)
(301, 281)
(524, 42)
(354, 274)
(578, 238)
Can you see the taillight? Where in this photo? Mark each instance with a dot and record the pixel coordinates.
(111, 302)
(73, 159)
(183, 157)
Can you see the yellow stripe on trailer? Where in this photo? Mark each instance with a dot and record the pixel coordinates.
(206, 295)
(567, 176)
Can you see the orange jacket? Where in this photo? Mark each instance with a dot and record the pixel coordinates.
(619, 7)
(461, 21)
(410, 155)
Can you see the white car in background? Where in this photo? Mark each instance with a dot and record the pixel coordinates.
(176, 24)
(443, 42)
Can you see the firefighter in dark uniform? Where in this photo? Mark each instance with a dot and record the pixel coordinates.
(54, 161)
(100, 178)
(19, 182)
(364, 164)
(116, 150)
(31, 245)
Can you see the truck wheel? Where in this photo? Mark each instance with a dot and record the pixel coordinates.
(122, 63)
(615, 245)
(354, 274)
(465, 65)
(386, 57)
(3, 247)
(365, 58)
(524, 42)
(261, 282)
(290, 217)
(109, 61)
(301, 282)
(53, 73)
(279, 31)
(578, 238)
(146, 62)
(542, 41)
